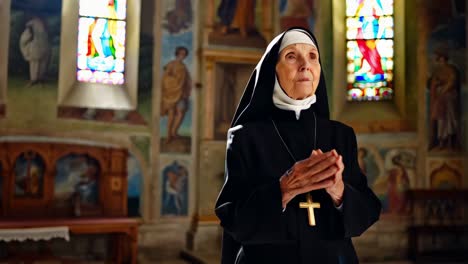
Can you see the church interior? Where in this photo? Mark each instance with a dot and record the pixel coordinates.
(114, 117)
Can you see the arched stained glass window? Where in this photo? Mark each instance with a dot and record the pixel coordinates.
(101, 41)
(369, 42)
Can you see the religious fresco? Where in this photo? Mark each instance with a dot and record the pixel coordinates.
(399, 175)
(445, 173)
(34, 43)
(370, 163)
(135, 181)
(390, 173)
(174, 186)
(29, 172)
(32, 103)
(177, 71)
(33, 56)
(298, 13)
(77, 181)
(236, 23)
(105, 56)
(178, 17)
(445, 38)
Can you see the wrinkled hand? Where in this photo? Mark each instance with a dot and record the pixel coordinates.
(337, 189)
(319, 170)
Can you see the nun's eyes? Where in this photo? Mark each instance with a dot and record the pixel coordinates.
(313, 56)
(290, 56)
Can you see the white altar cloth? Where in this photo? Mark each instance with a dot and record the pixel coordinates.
(39, 233)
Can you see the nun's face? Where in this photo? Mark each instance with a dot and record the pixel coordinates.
(298, 70)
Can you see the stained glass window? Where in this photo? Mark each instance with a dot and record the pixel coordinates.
(101, 41)
(369, 37)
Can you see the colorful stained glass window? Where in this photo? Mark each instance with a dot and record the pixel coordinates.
(101, 41)
(369, 37)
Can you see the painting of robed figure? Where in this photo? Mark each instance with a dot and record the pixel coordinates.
(176, 90)
(390, 173)
(445, 37)
(243, 23)
(298, 13)
(77, 183)
(29, 175)
(174, 190)
(34, 42)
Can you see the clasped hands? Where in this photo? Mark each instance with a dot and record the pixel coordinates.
(319, 170)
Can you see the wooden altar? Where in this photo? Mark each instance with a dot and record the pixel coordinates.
(126, 230)
(81, 187)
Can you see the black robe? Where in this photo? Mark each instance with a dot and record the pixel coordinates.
(249, 205)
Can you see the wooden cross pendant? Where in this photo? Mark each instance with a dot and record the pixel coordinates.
(309, 205)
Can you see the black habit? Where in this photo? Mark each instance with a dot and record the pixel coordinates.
(256, 229)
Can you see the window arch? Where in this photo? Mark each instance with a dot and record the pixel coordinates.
(374, 113)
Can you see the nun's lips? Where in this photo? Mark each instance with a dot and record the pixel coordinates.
(304, 80)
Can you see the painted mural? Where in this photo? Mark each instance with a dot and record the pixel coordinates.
(369, 163)
(135, 181)
(34, 42)
(446, 84)
(237, 24)
(76, 181)
(390, 173)
(445, 173)
(178, 17)
(33, 65)
(29, 172)
(177, 78)
(175, 187)
(33, 56)
(142, 115)
(297, 13)
(236, 16)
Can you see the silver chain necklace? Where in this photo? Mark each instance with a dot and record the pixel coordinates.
(284, 143)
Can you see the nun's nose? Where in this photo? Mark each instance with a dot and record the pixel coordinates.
(305, 65)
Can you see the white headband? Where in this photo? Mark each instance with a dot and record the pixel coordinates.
(296, 36)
